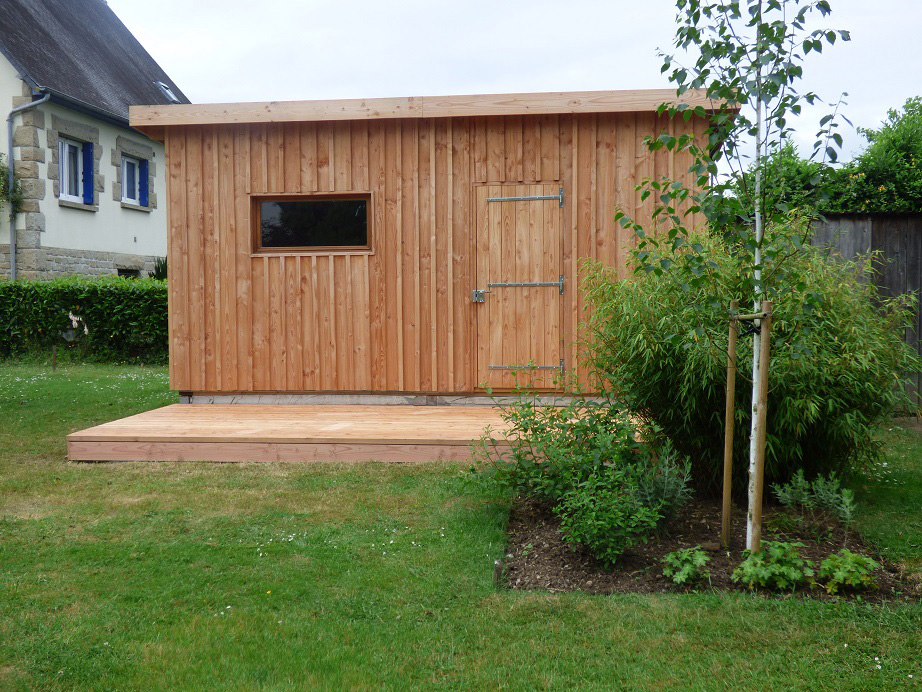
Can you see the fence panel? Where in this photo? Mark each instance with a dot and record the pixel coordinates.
(898, 239)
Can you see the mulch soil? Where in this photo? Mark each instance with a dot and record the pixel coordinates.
(538, 558)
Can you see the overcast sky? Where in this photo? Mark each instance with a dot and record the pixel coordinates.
(240, 50)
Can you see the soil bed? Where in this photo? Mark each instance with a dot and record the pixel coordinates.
(538, 558)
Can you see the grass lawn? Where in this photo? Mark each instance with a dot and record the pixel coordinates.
(185, 576)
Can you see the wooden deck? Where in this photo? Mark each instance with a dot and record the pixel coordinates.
(236, 432)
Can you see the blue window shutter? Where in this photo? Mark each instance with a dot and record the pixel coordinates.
(142, 183)
(87, 172)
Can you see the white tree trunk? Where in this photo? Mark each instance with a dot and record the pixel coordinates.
(756, 339)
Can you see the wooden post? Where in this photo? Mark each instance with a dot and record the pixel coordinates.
(729, 424)
(760, 440)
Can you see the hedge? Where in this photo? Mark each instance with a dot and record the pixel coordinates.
(110, 319)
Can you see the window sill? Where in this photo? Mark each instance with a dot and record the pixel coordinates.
(136, 207)
(311, 252)
(77, 205)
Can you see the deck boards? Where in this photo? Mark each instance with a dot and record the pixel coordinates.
(237, 432)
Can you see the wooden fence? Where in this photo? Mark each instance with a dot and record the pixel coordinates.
(898, 239)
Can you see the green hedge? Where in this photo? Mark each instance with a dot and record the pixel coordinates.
(110, 319)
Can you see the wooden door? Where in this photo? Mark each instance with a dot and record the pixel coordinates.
(519, 270)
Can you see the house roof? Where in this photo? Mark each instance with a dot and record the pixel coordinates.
(80, 52)
(150, 118)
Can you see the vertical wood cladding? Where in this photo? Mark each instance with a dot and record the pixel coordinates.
(398, 318)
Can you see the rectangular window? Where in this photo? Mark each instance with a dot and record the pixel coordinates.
(70, 169)
(318, 222)
(131, 191)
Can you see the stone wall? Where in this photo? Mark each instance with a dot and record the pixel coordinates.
(31, 220)
(53, 262)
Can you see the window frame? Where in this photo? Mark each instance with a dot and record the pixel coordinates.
(256, 230)
(64, 193)
(136, 201)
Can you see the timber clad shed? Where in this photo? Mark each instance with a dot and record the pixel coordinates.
(410, 245)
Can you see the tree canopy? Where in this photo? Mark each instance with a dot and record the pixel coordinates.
(885, 177)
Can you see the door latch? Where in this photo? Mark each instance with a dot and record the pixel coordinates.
(479, 295)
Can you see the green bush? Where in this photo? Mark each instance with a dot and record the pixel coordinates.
(8, 196)
(776, 566)
(103, 320)
(823, 493)
(605, 514)
(847, 570)
(665, 482)
(797, 493)
(586, 460)
(885, 178)
(551, 448)
(686, 566)
(660, 341)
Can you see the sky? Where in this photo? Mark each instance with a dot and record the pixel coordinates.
(220, 51)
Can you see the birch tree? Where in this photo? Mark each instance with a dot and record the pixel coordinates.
(747, 56)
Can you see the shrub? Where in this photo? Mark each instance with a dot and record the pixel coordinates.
(776, 566)
(847, 570)
(551, 448)
(686, 566)
(8, 196)
(660, 341)
(110, 319)
(585, 458)
(885, 178)
(839, 501)
(823, 493)
(160, 270)
(798, 183)
(604, 513)
(797, 493)
(666, 482)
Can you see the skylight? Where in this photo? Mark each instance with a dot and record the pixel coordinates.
(165, 88)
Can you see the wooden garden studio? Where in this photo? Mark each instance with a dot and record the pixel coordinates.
(400, 250)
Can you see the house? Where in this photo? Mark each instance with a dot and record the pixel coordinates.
(407, 246)
(92, 187)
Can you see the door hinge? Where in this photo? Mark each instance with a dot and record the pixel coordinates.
(558, 197)
(523, 284)
(528, 367)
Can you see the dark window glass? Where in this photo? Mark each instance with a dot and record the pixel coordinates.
(314, 223)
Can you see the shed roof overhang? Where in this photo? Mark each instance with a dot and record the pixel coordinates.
(152, 119)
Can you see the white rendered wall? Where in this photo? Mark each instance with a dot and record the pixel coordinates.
(111, 228)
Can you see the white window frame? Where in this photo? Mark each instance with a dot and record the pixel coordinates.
(126, 193)
(64, 191)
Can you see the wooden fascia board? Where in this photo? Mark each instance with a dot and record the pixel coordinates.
(144, 118)
(154, 132)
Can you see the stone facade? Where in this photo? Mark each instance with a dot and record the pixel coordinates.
(83, 133)
(54, 262)
(35, 163)
(128, 147)
(26, 170)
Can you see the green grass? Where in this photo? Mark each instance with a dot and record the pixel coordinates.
(274, 576)
(892, 499)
